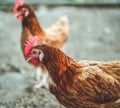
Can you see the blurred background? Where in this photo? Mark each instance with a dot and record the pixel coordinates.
(94, 34)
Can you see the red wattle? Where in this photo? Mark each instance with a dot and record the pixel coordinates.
(35, 62)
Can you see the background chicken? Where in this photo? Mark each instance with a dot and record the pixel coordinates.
(83, 84)
(55, 35)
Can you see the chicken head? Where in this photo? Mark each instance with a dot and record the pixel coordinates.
(21, 11)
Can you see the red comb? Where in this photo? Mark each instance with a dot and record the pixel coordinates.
(17, 4)
(30, 44)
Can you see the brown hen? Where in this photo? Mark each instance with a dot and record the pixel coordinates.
(55, 35)
(80, 84)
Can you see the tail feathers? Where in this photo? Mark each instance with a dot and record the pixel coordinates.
(63, 25)
(63, 22)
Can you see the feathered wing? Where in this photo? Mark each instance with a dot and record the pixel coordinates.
(91, 86)
(100, 81)
(112, 68)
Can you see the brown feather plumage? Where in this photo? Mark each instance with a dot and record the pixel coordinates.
(82, 84)
(55, 35)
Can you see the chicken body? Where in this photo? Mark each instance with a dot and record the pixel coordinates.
(55, 35)
(81, 84)
(95, 85)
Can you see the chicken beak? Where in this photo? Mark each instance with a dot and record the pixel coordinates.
(28, 59)
(17, 14)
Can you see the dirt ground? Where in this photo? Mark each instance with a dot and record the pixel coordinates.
(94, 35)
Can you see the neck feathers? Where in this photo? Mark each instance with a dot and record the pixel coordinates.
(32, 24)
(59, 66)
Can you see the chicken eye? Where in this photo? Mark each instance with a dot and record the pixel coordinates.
(33, 52)
(39, 53)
